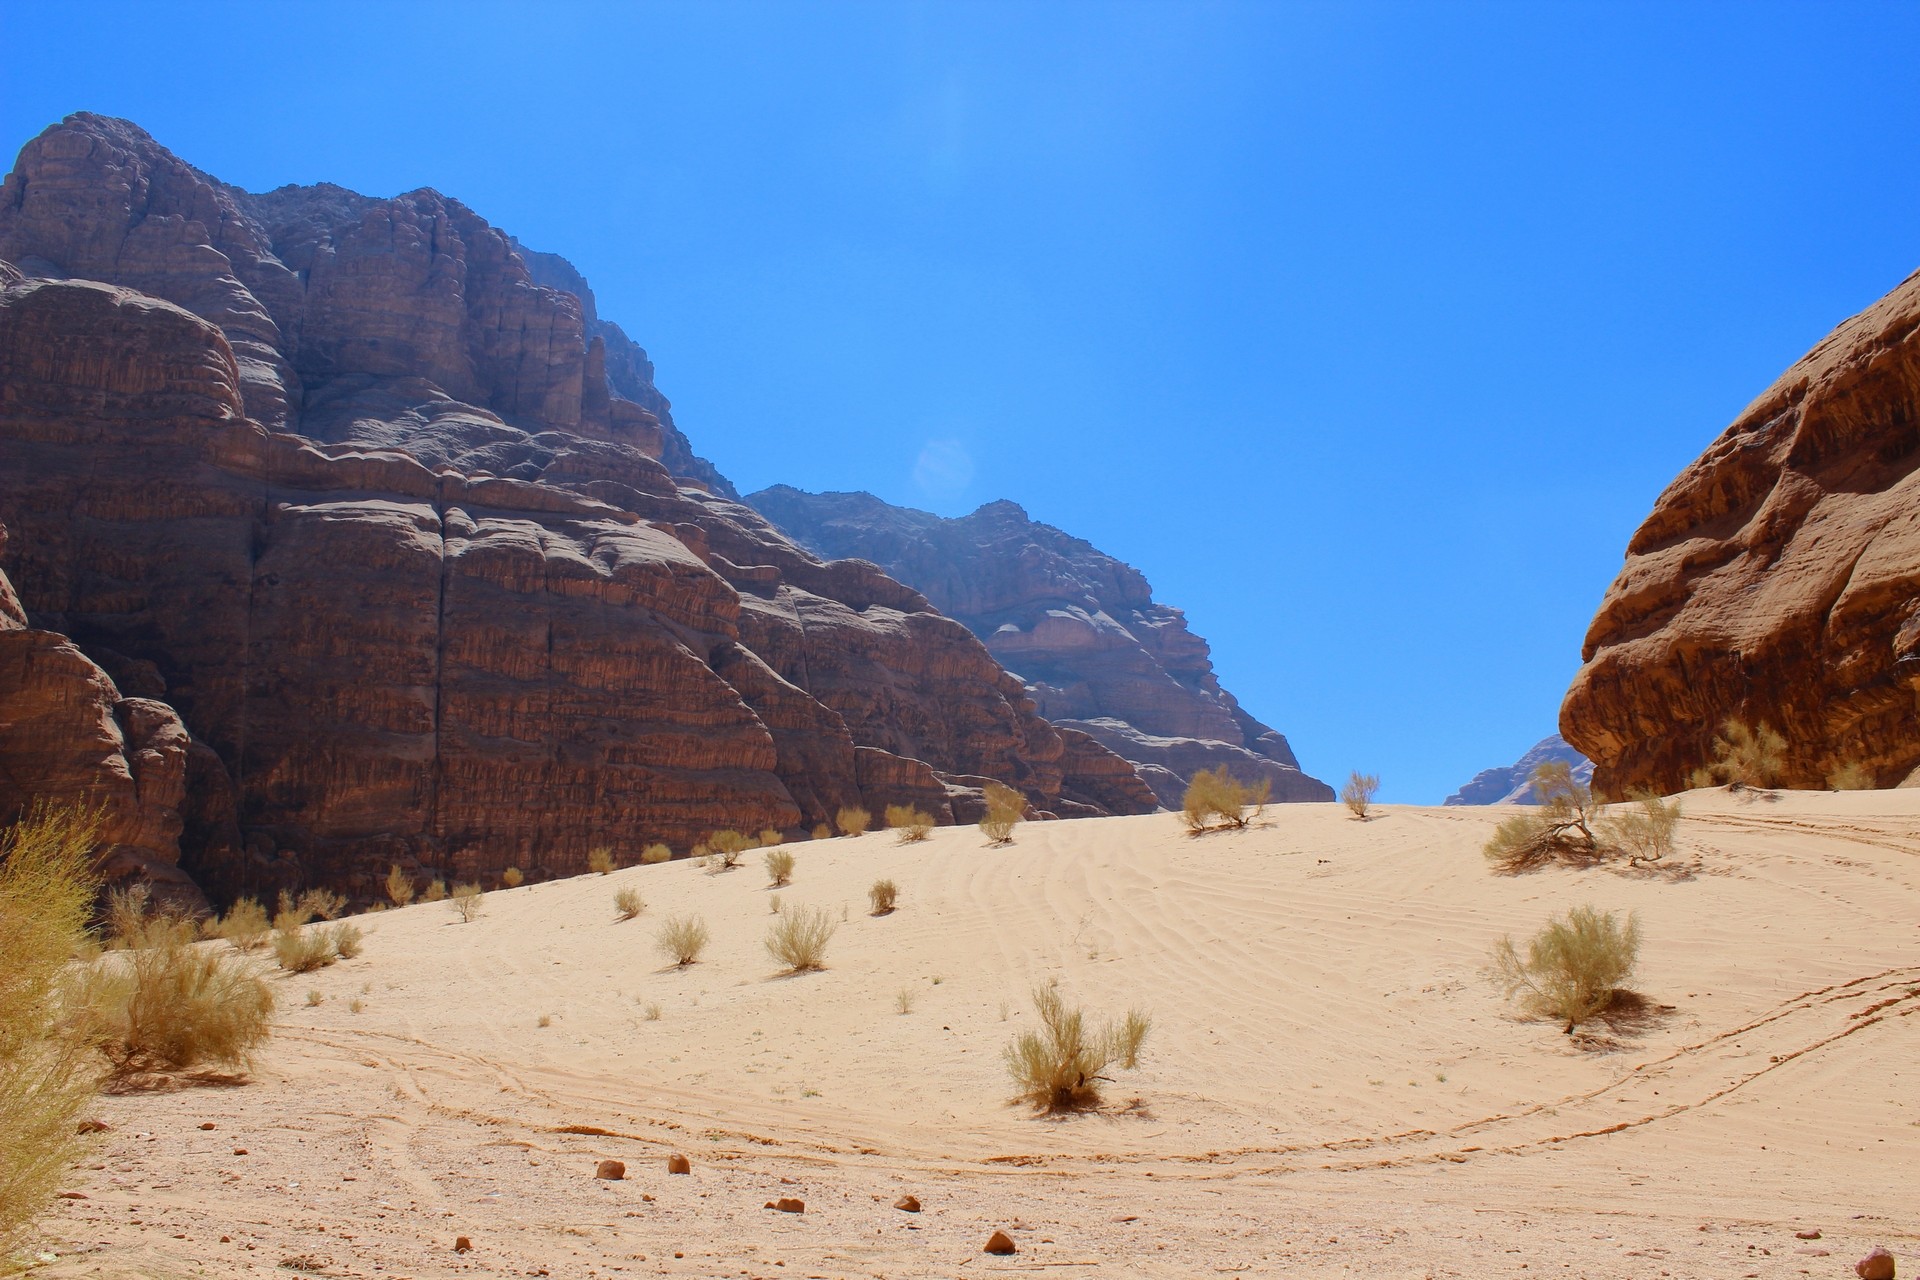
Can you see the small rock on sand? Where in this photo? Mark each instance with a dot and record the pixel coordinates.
(610, 1170)
(1877, 1265)
(907, 1204)
(1000, 1242)
(678, 1164)
(462, 1245)
(787, 1204)
(207, 1125)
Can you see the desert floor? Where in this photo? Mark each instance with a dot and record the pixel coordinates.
(1331, 1086)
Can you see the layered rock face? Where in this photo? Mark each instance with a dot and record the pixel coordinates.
(1081, 629)
(1513, 784)
(1777, 580)
(336, 480)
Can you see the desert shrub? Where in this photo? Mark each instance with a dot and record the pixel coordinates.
(883, 895)
(126, 913)
(1358, 794)
(600, 860)
(1700, 778)
(799, 938)
(1573, 968)
(629, 903)
(399, 886)
(779, 866)
(769, 838)
(245, 925)
(173, 1006)
(1005, 807)
(301, 948)
(1058, 1068)
(909, 823)
(466, 901)
(682, 938)
(1748, 756)
(315, 997)
(903, 1000)
(437, 891)
(655, 853)
(853, 821)
(1643, 827)
(823, 832)
(1215, 802)
(1560, 826)
(46, 894)
(512, 878)
(1851, 776)
(321, 904)
(728, 846)
(347, 940)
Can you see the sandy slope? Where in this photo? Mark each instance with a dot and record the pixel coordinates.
(1331, 1085)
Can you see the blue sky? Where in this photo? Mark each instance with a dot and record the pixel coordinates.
(1369, 332)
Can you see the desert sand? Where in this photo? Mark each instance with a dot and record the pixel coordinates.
(1331, 1087)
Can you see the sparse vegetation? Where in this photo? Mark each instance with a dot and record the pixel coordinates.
(883, 895)
(1215, 802)
(245, 925)
(853, 821)
(652, 1013)
(1851, 776)
(399, 886)
(728, 847)
(1748, 756)
(779, 867)
(315, 997)
(300, 948)
(164, 1004)
(512, 878)
(1643, 827)
(769, 838)
(1560, 826)
(903, 1000)
(314, 904)
(682, 939)
(1059, 1067)
(1358, 794)
(436, 891)
(600, 860)
(1573, 968)
(799, 938)
(46, 891)
(348, 941)
(908, 823)
(656, 853)
(1005, 807)
(466, 902)
(628, 902)
(823, 832)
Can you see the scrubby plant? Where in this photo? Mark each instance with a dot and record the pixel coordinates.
(600, 860)
(883, 895)
(1214, 801)
(1005, 807)
(47, 888)
(347, 939)
(1059, 1067)
(126, 913)
(302, 948)
(167, 1005)
(769, 838)
(1642, 828)
(315, 997)
(399, 886)
(823, 832)
(682, 939)
(512, 878)
(779, 867)
(799, 938)
(853, 820)
(1748, 756)
(245, 926)
(628, 903)
(1851, 776)
(1573, 968)
(1559, 826)
(466, 902)
(1358, 794)
(321, 904)
(903, 1000)
(656, 853)
(436, 891)
(729, 847)
(651, 1013)
(909, 823)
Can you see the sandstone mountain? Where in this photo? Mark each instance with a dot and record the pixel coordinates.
(1777, 580)
(407, 545)
(1513, 784)
(1080, 628)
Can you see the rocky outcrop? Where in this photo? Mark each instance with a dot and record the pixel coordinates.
(1097, 653)
(1513, 784)
(417, 580)
(1777, 580)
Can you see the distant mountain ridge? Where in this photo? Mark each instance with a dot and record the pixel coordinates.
(1513, 783)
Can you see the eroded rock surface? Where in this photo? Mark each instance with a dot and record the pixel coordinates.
(1097, 653)
(1777, 580)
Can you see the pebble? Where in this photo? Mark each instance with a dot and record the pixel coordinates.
(462, 1245)
(907, 1204)
(1000, 1242)
(679, 1164)
(1807, 1235)
(207, 1124)
(610, 1170)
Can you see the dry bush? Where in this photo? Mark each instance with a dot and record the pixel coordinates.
(1058, 1068)
(1573, 968)
(244, 926)
(728, 846)
(1851, 776)
(399, 886)
(173, 1006)
(1005, 807)
(769, 838)
(780, 867)
(1215, 802)
(46, 893)
(883, 895)
(1642, 828)
(512, 878)
(319, 904)
(437, 891)
(799, 938)
(823, 832)
(466, 901)
(126, 914)
(299, 948)
(600, 860)
(315, 997)
(656, 853)
(1700, 778)
(347, 939)
(1560, 826)
(682, 938)
(1358, 794)
(910, 824)
(853, 821)
(1748, 756)
(903, 1000)
(629, 903)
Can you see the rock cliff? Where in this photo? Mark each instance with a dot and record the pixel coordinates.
(1097, 653)
(337, 480)
(1777, 580)
(1513, 784)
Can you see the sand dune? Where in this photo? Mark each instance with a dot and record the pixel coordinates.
(1331, 1084)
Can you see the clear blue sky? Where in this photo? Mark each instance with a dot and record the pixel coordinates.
(1369, 332)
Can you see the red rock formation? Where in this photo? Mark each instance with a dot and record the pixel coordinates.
(1097, 653)
(458, 614)
(1777, 580)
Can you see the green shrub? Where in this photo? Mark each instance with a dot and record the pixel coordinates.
(1059, 1068)
(908, 823)
(853, 821)
(779, 866)
(1215, 802)
(1358, 794)
(1573, 968)
(799, 938)
(1005, 807)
